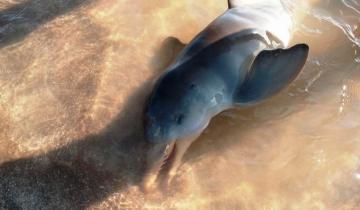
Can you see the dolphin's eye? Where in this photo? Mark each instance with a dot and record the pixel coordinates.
(179, 118)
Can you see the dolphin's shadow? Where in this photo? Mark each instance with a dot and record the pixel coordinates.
(90, 169)
(17, 21)
(167, 52)
(82, 173)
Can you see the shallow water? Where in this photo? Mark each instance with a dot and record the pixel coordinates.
(74, 77)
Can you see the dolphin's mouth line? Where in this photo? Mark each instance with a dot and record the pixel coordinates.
(158, 164)
(168, 157)
(165, 159)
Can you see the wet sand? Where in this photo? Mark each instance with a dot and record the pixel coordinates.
(74, 78)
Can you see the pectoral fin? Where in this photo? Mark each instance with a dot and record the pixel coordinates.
(271, 71)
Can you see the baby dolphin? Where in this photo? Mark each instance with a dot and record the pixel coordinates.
(238, 60)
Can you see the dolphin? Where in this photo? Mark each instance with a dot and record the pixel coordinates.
(239, 59)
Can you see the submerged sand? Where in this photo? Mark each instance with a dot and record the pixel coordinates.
(74, 78)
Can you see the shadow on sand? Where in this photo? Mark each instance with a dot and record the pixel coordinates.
(90, 169)
(82, 173)
(17, 21)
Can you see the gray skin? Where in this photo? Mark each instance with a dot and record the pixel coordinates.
(215, 72)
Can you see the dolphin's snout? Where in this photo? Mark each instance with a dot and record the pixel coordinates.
(153, 132)
(160, 131)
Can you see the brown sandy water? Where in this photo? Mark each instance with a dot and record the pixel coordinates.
(74, 77)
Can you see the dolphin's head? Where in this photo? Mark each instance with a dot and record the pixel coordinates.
(169, 118)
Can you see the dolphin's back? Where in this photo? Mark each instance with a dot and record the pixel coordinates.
(216, 71)
(264, 18)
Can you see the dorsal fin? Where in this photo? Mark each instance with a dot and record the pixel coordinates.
(233, 3)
